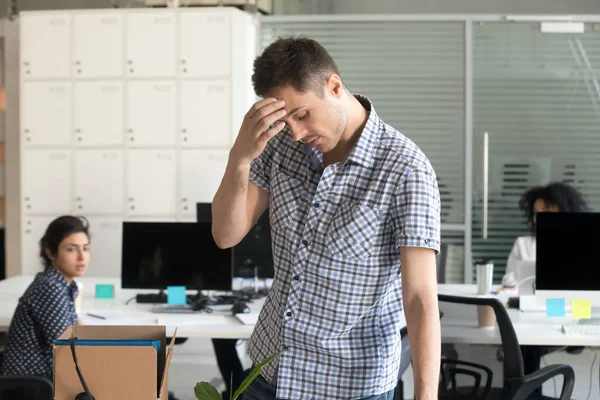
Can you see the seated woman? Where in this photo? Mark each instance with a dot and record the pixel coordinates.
(555, 197)
(47, 307)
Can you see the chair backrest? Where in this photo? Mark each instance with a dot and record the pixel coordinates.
(513, 361)
(26, 387)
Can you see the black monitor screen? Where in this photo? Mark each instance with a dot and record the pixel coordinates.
(254, 250)
(160, 254)
(566, 256)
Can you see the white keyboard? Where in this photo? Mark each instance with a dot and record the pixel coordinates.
(581, 329)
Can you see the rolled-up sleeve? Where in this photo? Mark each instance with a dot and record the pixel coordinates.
(260, 169)
(416, 210)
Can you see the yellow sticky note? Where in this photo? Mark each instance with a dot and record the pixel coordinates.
(581, 309)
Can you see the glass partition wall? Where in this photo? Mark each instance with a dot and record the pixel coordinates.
(448, 83)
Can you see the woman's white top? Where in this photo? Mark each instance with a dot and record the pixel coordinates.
(523, 250)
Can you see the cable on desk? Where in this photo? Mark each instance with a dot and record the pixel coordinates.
(129, 301)
(591, 373)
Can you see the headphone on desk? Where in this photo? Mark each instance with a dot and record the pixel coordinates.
(85, 395)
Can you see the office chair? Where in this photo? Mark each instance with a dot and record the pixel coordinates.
(517, 385)
(25, 388)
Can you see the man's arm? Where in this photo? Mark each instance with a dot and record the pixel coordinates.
(419, 295)
(239, 203)
(237, 206)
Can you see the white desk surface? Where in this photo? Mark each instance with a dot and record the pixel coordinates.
(459, 324)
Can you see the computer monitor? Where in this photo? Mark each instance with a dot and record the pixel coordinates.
(567, 263)
(253, 255)
(156, 255)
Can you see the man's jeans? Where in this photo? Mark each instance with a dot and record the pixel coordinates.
(260, 389)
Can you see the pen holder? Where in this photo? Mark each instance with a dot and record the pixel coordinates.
(486, 317)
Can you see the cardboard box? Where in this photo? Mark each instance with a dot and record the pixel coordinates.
(114, 372)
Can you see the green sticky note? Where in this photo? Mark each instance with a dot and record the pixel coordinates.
(581, 309)
(104, 291)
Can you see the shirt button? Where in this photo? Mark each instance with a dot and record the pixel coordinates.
(296, 277)
(305, 242)
(316, 205)
(289, 313)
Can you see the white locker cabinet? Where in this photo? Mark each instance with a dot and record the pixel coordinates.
(46, 181)
(151, 119)
(98, 45)
(98, 108)
(46, 113)
(150, 44)
(201, 172)
(205, 44)
(105, 248)
(33, 230)
(205, 113)
(99, 182)
(151, 182)
(45, 45)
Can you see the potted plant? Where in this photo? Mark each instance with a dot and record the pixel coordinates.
(206, 391)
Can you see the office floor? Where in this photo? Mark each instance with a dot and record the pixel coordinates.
(194, 361)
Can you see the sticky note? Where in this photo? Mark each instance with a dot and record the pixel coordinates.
(105, 291)
(555, 307)
(582, 309)
(176, 295)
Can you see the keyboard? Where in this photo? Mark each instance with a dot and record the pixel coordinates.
(174, 308)
(581, 329)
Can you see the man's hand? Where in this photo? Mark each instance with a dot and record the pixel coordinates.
(259, 126)
(419, 295)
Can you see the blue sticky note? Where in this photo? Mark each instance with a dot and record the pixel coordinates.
(176, 295)
(555, 307)
(105, 291)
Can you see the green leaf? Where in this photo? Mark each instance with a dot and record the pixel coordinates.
(255, 372)
(206, 391)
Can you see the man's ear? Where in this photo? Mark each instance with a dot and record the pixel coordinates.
(334, 86)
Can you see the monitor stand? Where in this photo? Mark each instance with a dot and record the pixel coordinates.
(152, 298)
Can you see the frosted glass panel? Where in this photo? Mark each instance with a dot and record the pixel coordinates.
(537, 94)
(414, 74)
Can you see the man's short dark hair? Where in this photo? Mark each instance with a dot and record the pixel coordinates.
(301, 63)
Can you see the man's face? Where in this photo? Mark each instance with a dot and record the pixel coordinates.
(316, 120)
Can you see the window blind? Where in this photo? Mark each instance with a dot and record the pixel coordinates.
(538, 97)
(413, 72)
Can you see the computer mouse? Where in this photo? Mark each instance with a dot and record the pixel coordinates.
(240, 307)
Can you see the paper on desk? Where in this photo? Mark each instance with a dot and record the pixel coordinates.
(113, 320)
(248, 319)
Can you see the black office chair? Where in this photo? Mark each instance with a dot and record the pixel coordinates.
(517, 385)
(26, 388)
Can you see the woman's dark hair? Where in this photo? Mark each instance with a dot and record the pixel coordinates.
(561, 195)
(57, 231)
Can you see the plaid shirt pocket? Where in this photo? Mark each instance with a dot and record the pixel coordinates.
(352, 231)
(286, 193)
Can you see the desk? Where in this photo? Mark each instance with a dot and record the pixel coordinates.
(200, 325)
(459, 324)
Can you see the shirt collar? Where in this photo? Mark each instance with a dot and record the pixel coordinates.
(362, 153)
(59, 278)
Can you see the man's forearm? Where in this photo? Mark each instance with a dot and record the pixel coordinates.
(422, 320)
(229, 206)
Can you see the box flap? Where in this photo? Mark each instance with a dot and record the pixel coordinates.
(118, 332)
(167, 363)
(67, 333)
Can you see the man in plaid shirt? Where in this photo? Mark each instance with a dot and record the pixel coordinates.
(355, 222)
